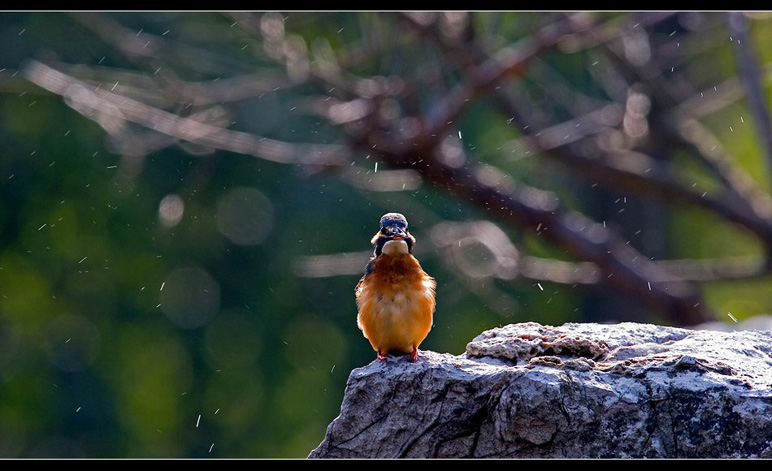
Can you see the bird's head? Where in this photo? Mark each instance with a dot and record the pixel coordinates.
(393, 236)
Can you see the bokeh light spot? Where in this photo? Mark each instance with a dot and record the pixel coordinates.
(190, 297)
(170, 210)
(245, 216)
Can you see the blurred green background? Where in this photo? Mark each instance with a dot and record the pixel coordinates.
(170, 304)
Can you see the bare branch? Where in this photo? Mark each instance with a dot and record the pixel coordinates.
(112, 111)
(750, 74)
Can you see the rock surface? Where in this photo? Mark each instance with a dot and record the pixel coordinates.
(579, 390)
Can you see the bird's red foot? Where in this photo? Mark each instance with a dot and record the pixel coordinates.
(381, 356)
(414, 355)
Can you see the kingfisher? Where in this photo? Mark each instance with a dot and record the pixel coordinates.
(395, 297)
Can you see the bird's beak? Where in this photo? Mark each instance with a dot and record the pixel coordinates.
(394, 232)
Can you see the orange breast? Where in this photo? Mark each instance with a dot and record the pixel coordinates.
(396, 304)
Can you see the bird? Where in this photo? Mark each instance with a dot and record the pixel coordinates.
(395, 298)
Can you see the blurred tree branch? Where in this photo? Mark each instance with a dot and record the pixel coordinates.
(625, 140)
(750, 75)
(112, 111)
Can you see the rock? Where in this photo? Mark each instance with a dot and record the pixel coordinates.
(526, 390)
